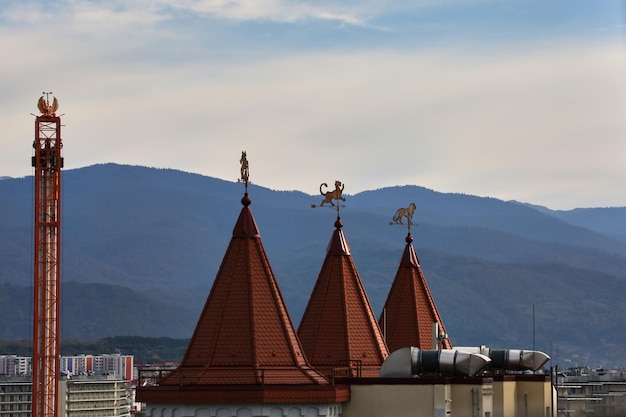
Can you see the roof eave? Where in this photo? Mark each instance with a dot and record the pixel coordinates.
(260, 394)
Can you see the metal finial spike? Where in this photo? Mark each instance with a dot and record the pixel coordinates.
(245, 170)
(245, 200)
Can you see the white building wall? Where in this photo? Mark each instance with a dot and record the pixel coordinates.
(115, 364)
(94, 397)
(15, 397)
(244, 410)
(12, 365)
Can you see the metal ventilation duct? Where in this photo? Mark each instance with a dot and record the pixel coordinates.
(510, 359)
(411, 361)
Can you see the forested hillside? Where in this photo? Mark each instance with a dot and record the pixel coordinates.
(141, 248)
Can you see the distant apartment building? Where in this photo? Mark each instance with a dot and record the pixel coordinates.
(114, 364)
(94, 396)
(90, 386)
(15, 396)
(79, 396)
(13, 365)
(585, 392)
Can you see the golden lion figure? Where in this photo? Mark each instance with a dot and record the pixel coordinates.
(332, 195)
(404, 212)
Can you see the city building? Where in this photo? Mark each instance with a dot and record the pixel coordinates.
(591, 392)
(13, 365)
(79, 396)
(106, 364)
(15, 396)
(90, 386)
(245, 358)
(94, 396)
(244, 352)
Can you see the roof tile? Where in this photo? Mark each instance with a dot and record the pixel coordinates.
(244, 335)
(338, 326)
(410, 309)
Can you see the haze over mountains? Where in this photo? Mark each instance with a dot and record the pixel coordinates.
(141, 247)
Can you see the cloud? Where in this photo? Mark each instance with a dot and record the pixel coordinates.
(410, 118)
(92, 16)
(84, 13)
(447, 121)
(273, 10)
(536, 122)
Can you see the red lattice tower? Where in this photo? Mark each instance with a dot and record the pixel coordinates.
(47, 162)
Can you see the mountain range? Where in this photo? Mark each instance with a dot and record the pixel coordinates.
(141, 247)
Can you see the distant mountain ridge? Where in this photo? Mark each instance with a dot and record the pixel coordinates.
(141, 247)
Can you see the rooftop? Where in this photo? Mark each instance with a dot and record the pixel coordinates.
(410, 309)
(338, 327)
(244, 344)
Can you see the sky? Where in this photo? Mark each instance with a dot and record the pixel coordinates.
(514, 99)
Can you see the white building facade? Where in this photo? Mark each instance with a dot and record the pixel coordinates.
(115, 364)
(13, 365)
(81, 396)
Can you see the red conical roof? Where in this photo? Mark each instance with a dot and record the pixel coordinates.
(244, 345)
(410, 309)
(338, 327)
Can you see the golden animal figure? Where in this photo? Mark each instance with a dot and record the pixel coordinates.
(46, 108)
(404, 212)
(335, 194)
(245, 169)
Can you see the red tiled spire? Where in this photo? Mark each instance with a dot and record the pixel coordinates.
(244, 347)
(338, 327)
(410, 309)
